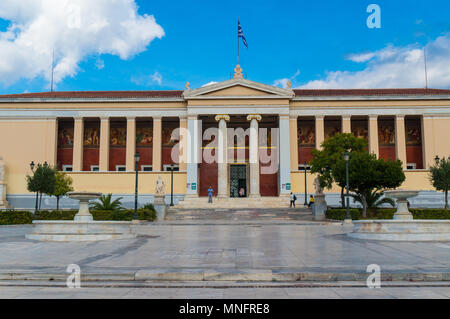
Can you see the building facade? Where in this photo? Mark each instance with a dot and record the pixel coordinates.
(242, 138)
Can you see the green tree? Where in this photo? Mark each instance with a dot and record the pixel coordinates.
(107, 204)
(368, 175)
(440, 177)
(374, 199)
(331, 155)
(63, 185)
(42, 181)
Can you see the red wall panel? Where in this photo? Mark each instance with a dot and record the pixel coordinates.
(90, 157)
(414, 155)
(304, 154)
(117, 156)
(208, 177)
(146, 154)
(268, 183)
(387, 152)
(65, 157)
(166, 156)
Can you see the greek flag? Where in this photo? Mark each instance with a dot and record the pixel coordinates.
(241, 34)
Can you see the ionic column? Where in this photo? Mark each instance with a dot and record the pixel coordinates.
(183, 144)
(293, 142)
(346, 124)
(400, 139)
(284, 155)
(373, 134)
(77, 164)
(222, 171)
(254, 155)
(104, 145)
(131, 143)
(52, 150)
(194, 155)
(157, 144)
(320, 131)
(428, 149)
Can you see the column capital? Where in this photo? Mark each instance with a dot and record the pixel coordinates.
(131, 118)
(254, 117)
(192, 117)
(104, 118)
(156, 117)
(219, 117)
(373, 116)
(346, 116)
(293, 117)
(399, 116)
(319, 117)
(78, 118)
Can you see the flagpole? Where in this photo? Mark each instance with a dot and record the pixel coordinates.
(238, 43)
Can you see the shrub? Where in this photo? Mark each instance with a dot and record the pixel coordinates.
(55, 215)
(430, 213)
(15, 217)
(387, 213)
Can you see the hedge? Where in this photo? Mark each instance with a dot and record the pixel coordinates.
(13, 217)
(387, 213)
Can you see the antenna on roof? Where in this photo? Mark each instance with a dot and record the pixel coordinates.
(53, 67)
(425, 63)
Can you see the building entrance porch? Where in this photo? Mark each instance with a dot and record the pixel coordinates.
(238, 180)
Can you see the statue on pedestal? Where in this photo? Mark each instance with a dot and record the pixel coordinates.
(3, 202)
(318, 188)
(160, 187)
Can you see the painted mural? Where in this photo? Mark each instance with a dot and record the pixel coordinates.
(332, 128)
(386, 133)
(91, 136)
(306, 135)
(167, 135)
(413, 134)
(118, 136)
(144, 136)
(65, 137)
(359, 129)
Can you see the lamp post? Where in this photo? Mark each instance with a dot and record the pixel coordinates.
(436, 160)
(32, 165)
(171, 184)
(348, 217)
(306, 192)
(137, 158)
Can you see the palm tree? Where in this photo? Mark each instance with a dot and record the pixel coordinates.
(106, 203)
(373, 199)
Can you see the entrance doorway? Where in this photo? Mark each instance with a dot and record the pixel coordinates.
(238, 180)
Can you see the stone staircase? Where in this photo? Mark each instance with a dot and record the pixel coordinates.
(227, 203)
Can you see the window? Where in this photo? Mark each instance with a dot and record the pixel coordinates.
(166, 168)
(411, 166)
(67, 168)
(94, 168)
(301, 167)
(146, 168)
(121, 168)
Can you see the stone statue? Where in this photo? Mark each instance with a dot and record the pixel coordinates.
(3, 202)
(319, 190)
(160, 186)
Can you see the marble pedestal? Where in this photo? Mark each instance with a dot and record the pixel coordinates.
(320, 207)
(160, 207)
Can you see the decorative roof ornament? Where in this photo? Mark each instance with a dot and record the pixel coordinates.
(186, 85)
(238, 72)
(289, 85)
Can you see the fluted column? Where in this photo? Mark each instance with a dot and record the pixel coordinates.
(293, 142)
(320, 131)
(428, 149)
(221, 150)
(400, 139)
(194, 155)
(284, 157)
(104, 145)
(373, 135)
(157, 144)
(52, 149)
(254, 154)
(131, 143)
(346, 124)
(77, 164)
(183, 144)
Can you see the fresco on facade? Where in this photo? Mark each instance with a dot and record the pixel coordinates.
(359, 129)
(65, 137)
(118, 136)
(413, 135)
(167, 135)
(332, 128)
(306, 135)
(144, 136)
(91, 136)
(386, 133)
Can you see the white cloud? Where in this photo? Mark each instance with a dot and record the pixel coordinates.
(394, 67)
(283, 83)
(75, 29)
(148, 80)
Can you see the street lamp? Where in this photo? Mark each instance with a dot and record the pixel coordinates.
(32, 165)
(348, 217)
(171, 184)
(436, 160)
(306, 191)
(137, 158)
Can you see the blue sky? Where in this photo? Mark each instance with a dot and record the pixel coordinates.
(298, 40)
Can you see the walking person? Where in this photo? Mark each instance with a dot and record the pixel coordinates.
(292, 198)
(210, 194)
(311, 200)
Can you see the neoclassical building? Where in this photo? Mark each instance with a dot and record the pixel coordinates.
(242, 138)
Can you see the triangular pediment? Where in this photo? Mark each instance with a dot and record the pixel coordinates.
(238, 88)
